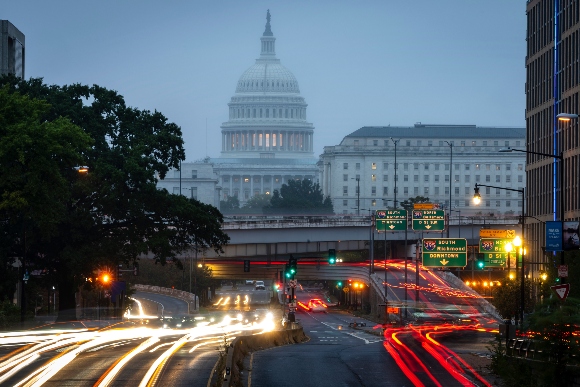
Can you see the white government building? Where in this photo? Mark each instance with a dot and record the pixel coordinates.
(424, 153)
(267, 141)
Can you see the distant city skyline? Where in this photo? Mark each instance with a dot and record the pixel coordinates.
(366, 64)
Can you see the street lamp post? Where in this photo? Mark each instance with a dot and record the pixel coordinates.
(357, 195)
(477, 200)
(560, 158)
(450, 143)
(395, 142)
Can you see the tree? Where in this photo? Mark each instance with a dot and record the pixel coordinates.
(300, 197)
(231, 203)
(114, 214)
(408, 204)
(257, 202)
(37, 157)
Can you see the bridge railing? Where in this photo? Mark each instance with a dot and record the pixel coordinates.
(294, 222)
(190, 298)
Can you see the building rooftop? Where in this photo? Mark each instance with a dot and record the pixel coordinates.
(439, 131)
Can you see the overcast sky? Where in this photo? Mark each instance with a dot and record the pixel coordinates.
(358, 63)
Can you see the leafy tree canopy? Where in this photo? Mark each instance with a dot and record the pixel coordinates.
(74, 224)
(231, 203)
(258, 202)
(300, 197)
(408, 204)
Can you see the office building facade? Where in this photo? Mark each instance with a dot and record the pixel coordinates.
(12, 50)
(440, 162)
(552, 88)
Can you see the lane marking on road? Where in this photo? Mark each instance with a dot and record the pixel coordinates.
(367, 341)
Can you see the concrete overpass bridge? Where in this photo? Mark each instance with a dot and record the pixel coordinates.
(307, 271)
(275, 238)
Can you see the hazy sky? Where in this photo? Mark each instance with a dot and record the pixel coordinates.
(358, 63)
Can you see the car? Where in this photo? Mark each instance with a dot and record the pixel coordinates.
(316, 305)
(249, 282)
(260, 285)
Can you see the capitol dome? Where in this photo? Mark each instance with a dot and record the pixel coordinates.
(265, 76)
(267, 114)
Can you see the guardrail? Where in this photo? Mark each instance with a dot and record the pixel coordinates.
(483, 304)
(190, 298)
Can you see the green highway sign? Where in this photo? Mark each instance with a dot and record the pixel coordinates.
(391, 220)
(428, 220)
(444, 252)
(495, 259)
(493, 250)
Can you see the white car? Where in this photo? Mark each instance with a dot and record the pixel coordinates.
(316, 305)
(260, 285)
(249, 282)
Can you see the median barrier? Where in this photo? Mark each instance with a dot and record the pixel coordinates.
(242, 345)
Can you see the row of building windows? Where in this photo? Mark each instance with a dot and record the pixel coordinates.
(257, 179)
(436, 166)
(457, 203)
(265, 113)
(440, 143)
(261, 84)
(246, 193)
(436, 178)
(427, 190)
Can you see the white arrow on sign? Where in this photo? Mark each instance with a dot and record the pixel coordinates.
(444, 262)
(427, 227)
(561, 290)
(391, 227)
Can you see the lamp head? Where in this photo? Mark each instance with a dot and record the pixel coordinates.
(566, 116)
(505, 150)
(508, 247)
(476, 196)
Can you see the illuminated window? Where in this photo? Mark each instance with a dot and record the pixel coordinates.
(373, 177)
(374, 166)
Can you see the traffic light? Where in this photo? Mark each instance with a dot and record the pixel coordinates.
(293, 265)
(287, 272)
(331, 256)
(480, 261)
(246, 265)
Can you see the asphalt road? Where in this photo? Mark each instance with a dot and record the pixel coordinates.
(335, 355)
(332, 357)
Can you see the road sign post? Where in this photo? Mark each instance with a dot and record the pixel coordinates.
(493, 250)
(445, 252)
(490, 233)
(561, 291)
(391, 220)
(428, 220)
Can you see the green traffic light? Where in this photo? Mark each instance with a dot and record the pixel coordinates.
(340, 284)
(288, 275)
(481, 264)
(331, 261)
